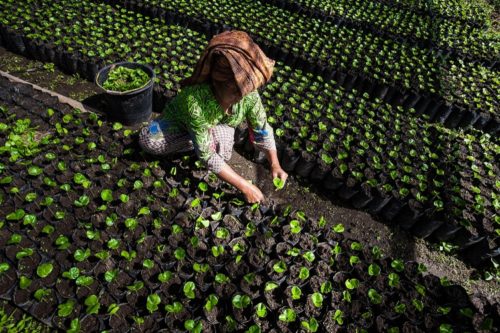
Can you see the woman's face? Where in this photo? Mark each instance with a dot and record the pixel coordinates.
(226, 89)
(228, 92)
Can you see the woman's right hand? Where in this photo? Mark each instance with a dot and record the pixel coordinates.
(252, 194)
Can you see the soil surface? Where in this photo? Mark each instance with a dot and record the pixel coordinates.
(300, 194)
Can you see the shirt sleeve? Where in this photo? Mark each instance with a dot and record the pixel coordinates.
(261, 133)
(202, 139)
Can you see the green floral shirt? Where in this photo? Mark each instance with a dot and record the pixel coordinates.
(195, 109)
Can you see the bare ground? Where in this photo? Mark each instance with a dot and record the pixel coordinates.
(300, 194)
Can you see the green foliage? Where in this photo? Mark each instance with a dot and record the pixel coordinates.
(317, 299)
(261, 310)
(25, 324)
(124, 79)
(92, 304)
(44, 270)
(66, 308)
(189, 289)
(241, 301)
(288, 315)
(211, 302)
(374, 296)
(152, 302)
(352, 283)
(175, 307)
(311, 325)
(278, 184)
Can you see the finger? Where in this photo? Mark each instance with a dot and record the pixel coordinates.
(275, 174)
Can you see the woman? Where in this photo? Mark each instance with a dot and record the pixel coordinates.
(220, 94)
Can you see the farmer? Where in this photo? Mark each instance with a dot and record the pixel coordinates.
(220, 94)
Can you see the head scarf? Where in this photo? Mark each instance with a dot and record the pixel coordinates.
(232, 57)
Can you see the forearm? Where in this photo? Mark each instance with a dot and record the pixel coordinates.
(272, 158)
(228, 175)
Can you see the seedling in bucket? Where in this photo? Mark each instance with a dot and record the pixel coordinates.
(128, 91)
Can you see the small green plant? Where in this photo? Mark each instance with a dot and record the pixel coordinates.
(175, 307)
(317, 299)
(278, 184)
(279, 267)
(338, 316)
(152, 302)
(288, 315)
(44, 270)
(261, 310)
(296, 292)
(374, 296)
(241, 301)
(311, 325)
(193, 326)
(352, 283)
(211, 302)
(92, 304)
(189, 289)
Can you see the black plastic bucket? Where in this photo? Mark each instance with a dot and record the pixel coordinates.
(128, 107)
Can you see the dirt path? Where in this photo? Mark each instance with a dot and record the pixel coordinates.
(301, 195)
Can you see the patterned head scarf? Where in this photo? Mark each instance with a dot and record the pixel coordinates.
(232, 57)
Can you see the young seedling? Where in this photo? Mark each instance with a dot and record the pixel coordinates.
(279, 184)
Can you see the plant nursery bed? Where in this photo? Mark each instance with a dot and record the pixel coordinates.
(96, 236)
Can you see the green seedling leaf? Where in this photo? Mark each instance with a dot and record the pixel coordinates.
(164, 276)
(148, 263)
(34, 171)
(24, 282)
(374, 296)
(288, 315)
(279, 267)
(41, 293)
(278, 184)
(189, 289)
(81, 255)
(352, 283)
(241, 301)
(144, 211)
(107, 195)
(84, 281)
(26, 252)
(152, 302)
(180, 253)
(317, 299)
(65, 309)
(211, 302)
(113, 309)
(296, 292)
(338, 316)
(16, 216)
(339, 228)
(92, 304)
(304, 273)
(15, 239)
(136, 286)
(221, 278)
(109, 276)
(73, 273)
(311, 325)
(44, 270)
(175, 307)
(261, 310)
(4, 267)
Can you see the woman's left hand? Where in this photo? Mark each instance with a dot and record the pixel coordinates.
(278, 172)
